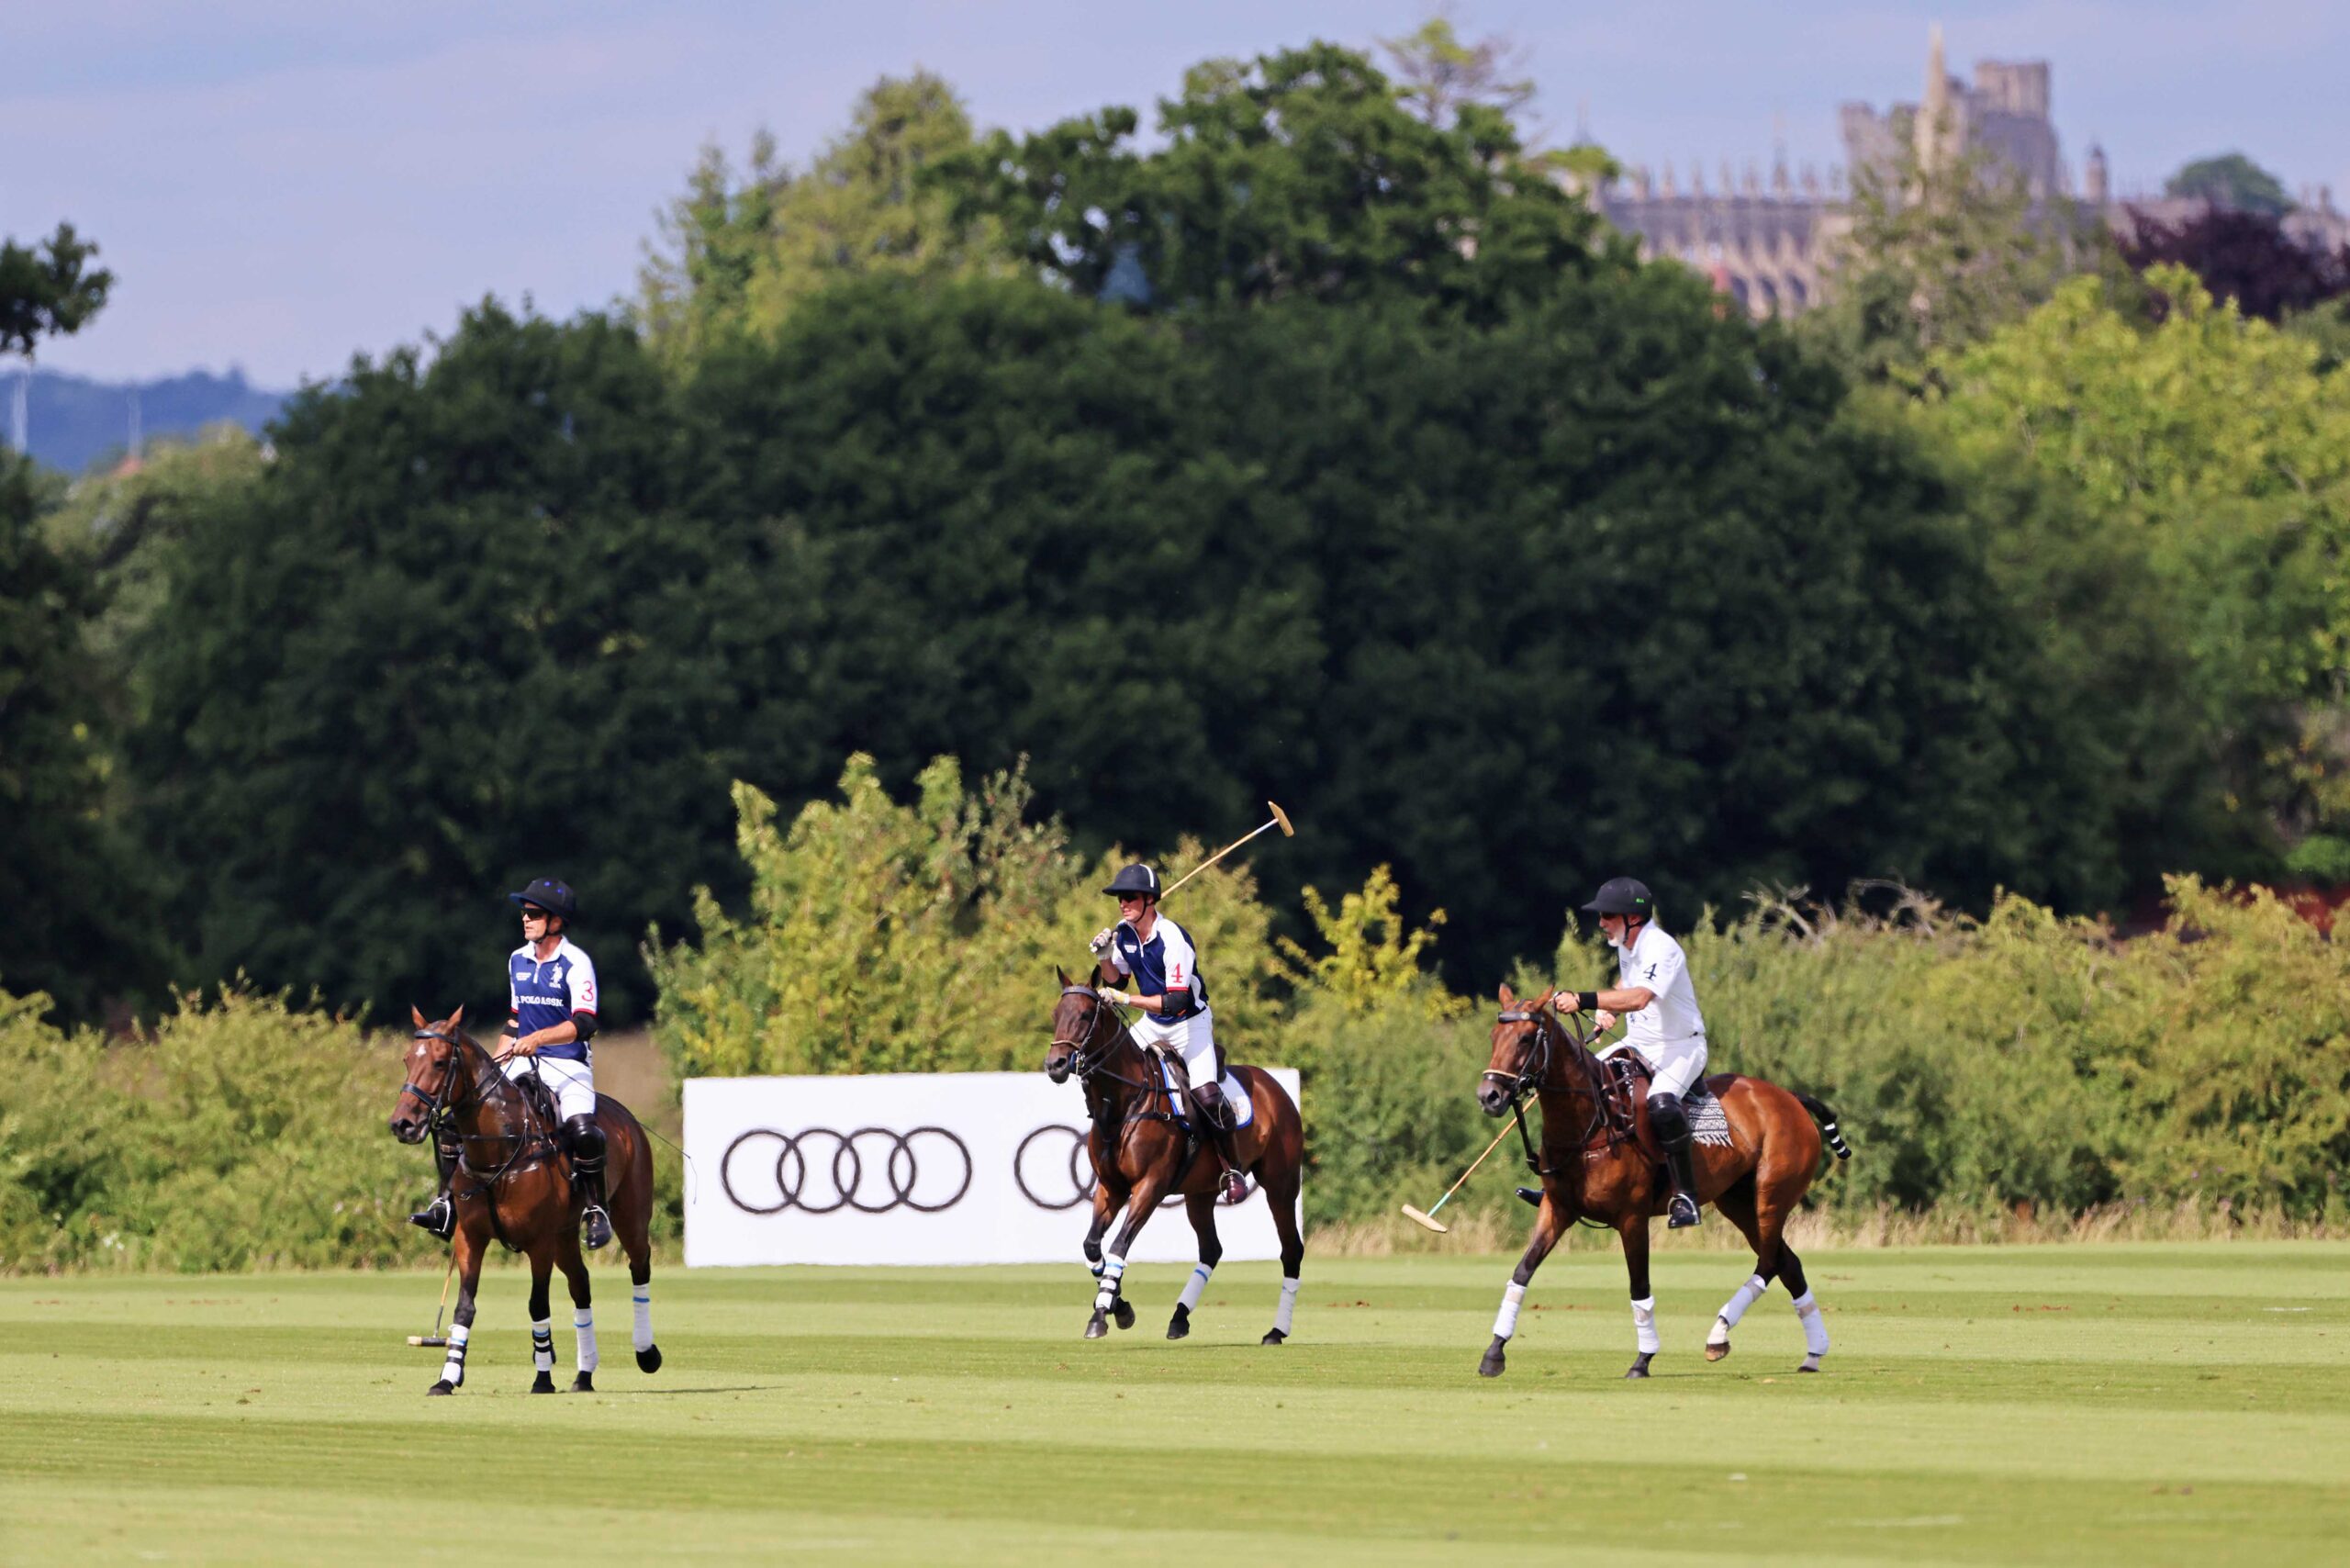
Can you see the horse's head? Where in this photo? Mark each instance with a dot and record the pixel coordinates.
(1083, 1027)
(1523, 1036)
(435, 1063)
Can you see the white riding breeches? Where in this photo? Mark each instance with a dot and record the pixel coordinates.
(1192, 1039)
(1674, 1067)
(573, 1083)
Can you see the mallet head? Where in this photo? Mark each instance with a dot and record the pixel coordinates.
(1281, 817)
(1421, 1218)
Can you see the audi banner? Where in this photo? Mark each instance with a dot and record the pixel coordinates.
(912, 1168)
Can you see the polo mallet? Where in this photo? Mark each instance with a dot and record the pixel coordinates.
(1280, 820)
(1428, 1218)
(436, 1337)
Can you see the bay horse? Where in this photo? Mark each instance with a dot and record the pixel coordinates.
(1597, 1163)
(1141, 1155)
(513, 1184)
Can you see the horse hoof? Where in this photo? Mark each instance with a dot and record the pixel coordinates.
(1097, 1326)
(1274, 1337)
(1716, 1352)
(1179, 1326)
(1639, 1369)
(444, 1386)
(543, 1384)
(1124, 1314)
(584, 1383)
(1810, 1364)
(1494, 1362)
(648, 1360)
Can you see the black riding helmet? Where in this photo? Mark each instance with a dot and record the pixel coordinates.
(548, 894)
(1622, 895)
(1135, 878)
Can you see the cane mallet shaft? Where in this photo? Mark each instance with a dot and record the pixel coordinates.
(1428, 1218)
(436, 1336)
(1280, 820)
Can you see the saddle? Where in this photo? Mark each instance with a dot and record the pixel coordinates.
(1627, 1108)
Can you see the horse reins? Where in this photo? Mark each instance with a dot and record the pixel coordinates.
(438, 1116)
(1518, 1085)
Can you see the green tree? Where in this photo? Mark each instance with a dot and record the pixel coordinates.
(464, 631)
(48, 289)
(1436, 73)
(1296, 175)
(1937, 255)
(2219, 446)
(740, 256)
(2232, 179)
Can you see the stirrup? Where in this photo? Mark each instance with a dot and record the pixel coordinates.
(1682, 1212)
(1532, 1196)
(598, 1226)
(438, 1217)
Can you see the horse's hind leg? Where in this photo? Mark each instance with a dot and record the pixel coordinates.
(633, 1211)
(1280, 1187)
(583, 1321)
(1201, 1208)
(542, 1327)
(1736, 1206)
(1776, 1196)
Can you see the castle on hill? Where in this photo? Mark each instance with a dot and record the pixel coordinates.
(1768, 242)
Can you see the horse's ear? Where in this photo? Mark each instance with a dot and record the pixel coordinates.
(418, 1014)
(457, 1017)
(1508, 996)
(1544, 999)
(1063, 974)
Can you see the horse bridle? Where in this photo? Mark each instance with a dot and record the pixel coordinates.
(438, 1116)
(1531, 1080)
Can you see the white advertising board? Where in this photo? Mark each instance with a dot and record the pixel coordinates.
(912, 1168)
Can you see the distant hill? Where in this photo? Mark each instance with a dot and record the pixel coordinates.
(73, 422)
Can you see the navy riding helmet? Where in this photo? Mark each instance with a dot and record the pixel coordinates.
(1135, 878)
(1622, 895)
(550, 895)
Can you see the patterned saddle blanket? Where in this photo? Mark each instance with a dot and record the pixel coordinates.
(1708, 1123)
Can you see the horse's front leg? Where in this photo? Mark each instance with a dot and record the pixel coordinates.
(465, 1249)
(1106, 1204)
(1549, 1224)
(1634, 1228)
(542, 1327)
(1109, 1296)
(583, 1321)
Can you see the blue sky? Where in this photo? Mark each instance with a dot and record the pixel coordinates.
(280, 186)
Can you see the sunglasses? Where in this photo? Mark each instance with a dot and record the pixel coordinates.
(530, 914)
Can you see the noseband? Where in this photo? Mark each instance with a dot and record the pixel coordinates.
(1084, 1059)
(1517, 1084)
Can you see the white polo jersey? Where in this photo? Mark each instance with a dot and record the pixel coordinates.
(1656, 963)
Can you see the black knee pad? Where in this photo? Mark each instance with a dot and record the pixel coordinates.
(585, 1139)
(1670, 1122)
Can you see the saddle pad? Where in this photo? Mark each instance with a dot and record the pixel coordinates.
(1708, 1124)
(1236, 1094)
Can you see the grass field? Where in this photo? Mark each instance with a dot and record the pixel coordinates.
(2146, 1405)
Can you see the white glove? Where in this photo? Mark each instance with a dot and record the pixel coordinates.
(1103, 940)
(1116, 998)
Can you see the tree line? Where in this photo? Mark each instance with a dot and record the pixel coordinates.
(1325, 447)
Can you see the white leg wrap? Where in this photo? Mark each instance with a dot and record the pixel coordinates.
(1644, 1326)
(1196, 1287)
(640, 1337)
(542, 1344)
(583, 1324)
(1815, 1325)
(1114, 1272)
(1747, 1296)
(1506, 1320)
(453, 1371)
(1289, 1304)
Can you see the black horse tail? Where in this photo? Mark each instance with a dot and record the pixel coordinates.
(1827, 1120)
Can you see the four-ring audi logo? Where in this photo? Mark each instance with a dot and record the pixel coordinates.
(872, 1171)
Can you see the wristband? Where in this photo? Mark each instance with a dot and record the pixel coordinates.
(1587, 1001)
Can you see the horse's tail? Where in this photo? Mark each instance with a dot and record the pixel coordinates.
(1827, 1120)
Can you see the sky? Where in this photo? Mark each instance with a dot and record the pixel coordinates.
(281, 186)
